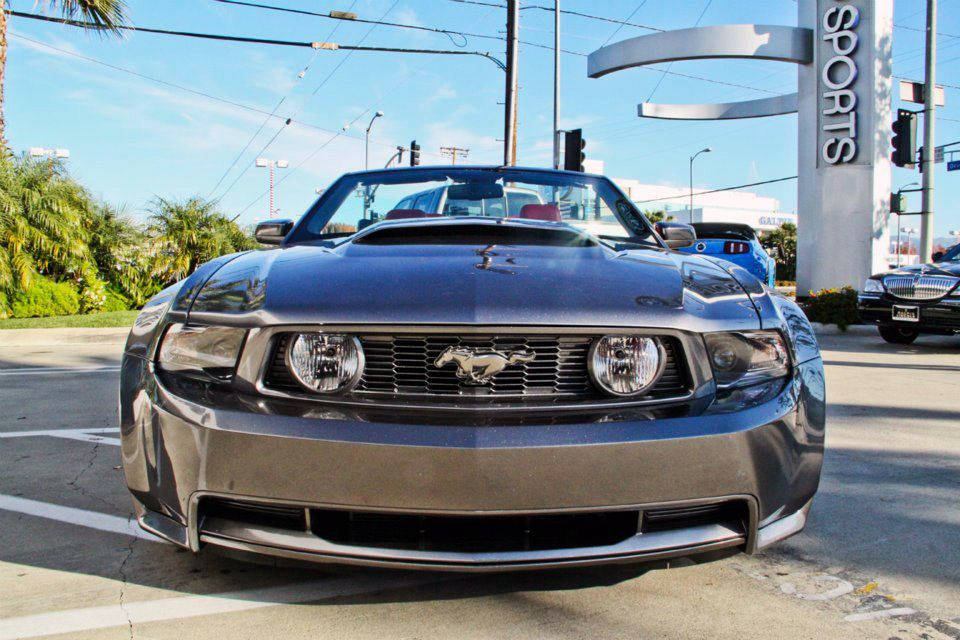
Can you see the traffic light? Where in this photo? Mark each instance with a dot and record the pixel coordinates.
(905, 139)
(414, 154)
(573, 155)
(898, 203)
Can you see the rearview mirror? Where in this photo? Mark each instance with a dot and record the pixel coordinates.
(272, 231)
(676, 234)
(475, 191)
(937, 256)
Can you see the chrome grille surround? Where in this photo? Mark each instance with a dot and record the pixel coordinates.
(919, 287)
(400, 367)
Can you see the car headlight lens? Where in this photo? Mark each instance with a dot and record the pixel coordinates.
(326, 363)
(626, 365)
(741, 359)
(873, 286)
(209, 352)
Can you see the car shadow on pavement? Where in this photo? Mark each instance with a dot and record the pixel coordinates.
(874, 344)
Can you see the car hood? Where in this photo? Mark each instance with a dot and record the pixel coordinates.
(470, 284)
(929, 269)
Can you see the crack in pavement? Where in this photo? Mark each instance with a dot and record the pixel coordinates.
(123, 584)
(76, 480)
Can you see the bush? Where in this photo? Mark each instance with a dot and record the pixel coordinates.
(4, 305)
(115, 301)
(833, 306)
(43, 298)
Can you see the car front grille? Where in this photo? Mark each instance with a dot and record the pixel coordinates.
(919, 287)
(403, 366)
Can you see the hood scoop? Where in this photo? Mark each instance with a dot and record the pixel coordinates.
(473, 233)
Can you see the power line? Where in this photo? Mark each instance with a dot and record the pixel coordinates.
(703, 193)
(620, 26)
(568, 12)
(670, 66)
(283, 99)
(180, 87)
(267, 41)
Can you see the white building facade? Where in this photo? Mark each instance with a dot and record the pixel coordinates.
(742, 207)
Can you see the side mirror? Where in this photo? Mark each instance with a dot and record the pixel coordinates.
(938, 256)
(272, 231)
(677, 235)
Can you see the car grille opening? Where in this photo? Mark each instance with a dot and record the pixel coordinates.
(256, 513)
(472, 533)
(475, 533)
(403, 366)
(668, 519)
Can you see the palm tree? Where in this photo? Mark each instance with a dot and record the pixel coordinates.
(190, 232)
(44, 220)
(105, 15)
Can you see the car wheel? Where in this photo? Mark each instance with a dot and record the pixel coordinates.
(898, 335)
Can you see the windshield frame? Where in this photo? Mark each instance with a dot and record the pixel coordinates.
(634, 223)
(951, 255)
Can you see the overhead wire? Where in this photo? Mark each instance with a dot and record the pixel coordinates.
(703, 193)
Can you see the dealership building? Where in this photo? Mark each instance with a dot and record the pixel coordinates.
(743, 207)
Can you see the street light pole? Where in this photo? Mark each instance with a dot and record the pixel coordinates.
(271, 164)
(929, 118)
(366, 140)
(556, 84)
(692, 158)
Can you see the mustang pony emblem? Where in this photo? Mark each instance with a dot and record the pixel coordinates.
(479, 367)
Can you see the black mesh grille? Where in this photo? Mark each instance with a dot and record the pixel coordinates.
(403, 365)
(475, 534)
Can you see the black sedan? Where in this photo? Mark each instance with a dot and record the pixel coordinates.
(914, 300)
(472, 388)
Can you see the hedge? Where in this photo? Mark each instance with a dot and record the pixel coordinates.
(45, 298)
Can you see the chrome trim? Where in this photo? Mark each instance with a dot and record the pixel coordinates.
(919, 287)
(782, 529)
(661, 351)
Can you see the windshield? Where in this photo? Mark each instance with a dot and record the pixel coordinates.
(357, 201)
(953, 255)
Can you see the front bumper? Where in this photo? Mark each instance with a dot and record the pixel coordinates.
(178, 452)
(939, 316)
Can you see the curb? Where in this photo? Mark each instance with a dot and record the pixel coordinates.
(59, 337)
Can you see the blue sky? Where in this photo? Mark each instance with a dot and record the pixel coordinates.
(132, 138)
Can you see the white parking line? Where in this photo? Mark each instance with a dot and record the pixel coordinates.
(81, 517)
(48, 371)
(134, 613)
(84, 435)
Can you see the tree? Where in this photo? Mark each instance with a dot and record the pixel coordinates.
(44, 223)
(657, 216)
(188, 233)
(783, 241)
(106, 16)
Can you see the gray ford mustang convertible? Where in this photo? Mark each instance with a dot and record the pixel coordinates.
(472, 369)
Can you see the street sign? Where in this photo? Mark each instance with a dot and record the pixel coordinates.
(938, 153)
(953, 165)
(913, 92)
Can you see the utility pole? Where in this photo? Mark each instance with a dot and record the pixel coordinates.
(510, 102)
(366, 140)
(272, 164)
(453, 152)
(556, 84)
(929, 122)
(692, 158)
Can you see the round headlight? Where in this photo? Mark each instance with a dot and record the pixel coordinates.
(626, 365)
(325, 363)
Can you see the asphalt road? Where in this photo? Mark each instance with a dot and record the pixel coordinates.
(880, 557)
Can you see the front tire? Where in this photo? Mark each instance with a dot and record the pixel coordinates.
(898, 335)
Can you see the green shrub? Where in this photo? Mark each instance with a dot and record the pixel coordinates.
(43, 298)
(4, 304)
(115, 301)
(833, 306)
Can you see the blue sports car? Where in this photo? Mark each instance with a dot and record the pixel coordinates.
(736, 243)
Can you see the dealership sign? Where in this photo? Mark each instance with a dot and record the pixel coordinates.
(838, 77)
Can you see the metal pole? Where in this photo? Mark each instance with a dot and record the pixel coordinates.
(270, 213)
(509, 106)
(556, 84)
(691, 188)
(898, 240)
(929, 117)
(366, 150)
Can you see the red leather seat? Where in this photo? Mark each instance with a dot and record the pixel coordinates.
(405, 214)
(545, 212)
